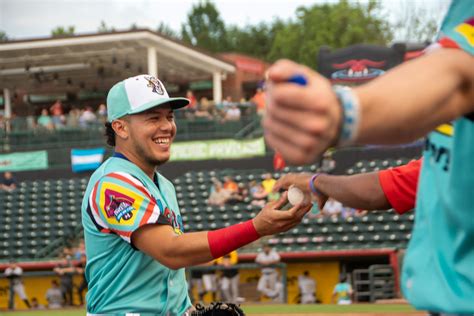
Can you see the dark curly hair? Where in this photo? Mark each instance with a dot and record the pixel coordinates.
(109, 134)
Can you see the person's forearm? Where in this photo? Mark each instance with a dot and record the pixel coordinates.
(361, 191)
(189, 249)
(413, 98)
(179, 251)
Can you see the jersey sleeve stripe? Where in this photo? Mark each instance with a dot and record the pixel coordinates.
(148, 212)
(136, 184)
(94, 209)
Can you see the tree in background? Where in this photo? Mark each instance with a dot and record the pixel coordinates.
(104, 28)
(205, 28)
(60, 31)
(3, 36)
(254, 40)
(167, 31)
(336, 25)
(417, 22)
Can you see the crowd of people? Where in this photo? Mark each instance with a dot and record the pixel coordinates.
(226, 111)
(230, 192)
(59, 115)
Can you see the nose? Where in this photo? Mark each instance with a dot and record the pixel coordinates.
(165, 125)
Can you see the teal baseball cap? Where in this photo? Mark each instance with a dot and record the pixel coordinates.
(138, 94)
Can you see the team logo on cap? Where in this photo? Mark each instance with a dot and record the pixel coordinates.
(155, 84)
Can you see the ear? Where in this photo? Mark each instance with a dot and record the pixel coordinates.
(120, 128)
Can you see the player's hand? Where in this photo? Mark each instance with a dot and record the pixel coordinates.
(301, 181)
(300, 122)
(272, 219)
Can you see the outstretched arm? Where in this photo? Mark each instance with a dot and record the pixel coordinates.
(417, 96)
(362, 191)
(406, 103)
(178, 251)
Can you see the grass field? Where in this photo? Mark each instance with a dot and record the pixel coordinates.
(267, 310)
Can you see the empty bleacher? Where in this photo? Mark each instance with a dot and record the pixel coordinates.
(40, 217)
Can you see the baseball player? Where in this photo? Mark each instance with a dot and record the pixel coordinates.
(307, 287)
(135, 245)
(230, 277)
(14, 273)
(342, 293)
(268, 283)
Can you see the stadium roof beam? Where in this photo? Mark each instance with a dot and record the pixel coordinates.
(106, 58)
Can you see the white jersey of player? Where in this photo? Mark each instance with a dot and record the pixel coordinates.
(264, 258)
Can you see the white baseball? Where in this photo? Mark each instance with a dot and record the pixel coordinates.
(295, 195)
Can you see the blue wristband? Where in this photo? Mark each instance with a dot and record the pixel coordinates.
(312, 186)
(351, 116)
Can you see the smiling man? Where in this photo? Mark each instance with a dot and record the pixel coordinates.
(135, 245)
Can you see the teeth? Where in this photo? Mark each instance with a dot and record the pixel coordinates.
(162, 141)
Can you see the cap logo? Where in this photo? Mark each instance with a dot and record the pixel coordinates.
(155, 84)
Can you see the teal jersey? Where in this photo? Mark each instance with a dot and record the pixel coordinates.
(438, 270)
(343, 291)
(120, 198)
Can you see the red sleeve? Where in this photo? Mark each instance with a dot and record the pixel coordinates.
(400, 184)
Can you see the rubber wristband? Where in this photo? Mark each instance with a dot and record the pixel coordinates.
(312, 186)
(351, 115)
(226, 240)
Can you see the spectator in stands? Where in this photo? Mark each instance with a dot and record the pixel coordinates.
(342, 294)
(259, 100)
(332, 208)
(218, 195)
(3, 124)
(14, 273)
(242, 192)
(227, 102)
(268, 284)
(8, 182)
(192, 101)
(54, 296)
(57, 114)
(35, 304)
(45, 121)
(268, 182)
(66, 270)
(102, 113)
(307, 287)
(258, 194)
(230, 278)
(348, 212)
(83, 285)
(230, 184)
(328, 164)
(73, 116)
(205, 108)
(87, 118)
(232, 113)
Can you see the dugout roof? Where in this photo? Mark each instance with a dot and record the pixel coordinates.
(97, 61)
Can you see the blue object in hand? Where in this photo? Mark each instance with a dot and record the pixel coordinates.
(299, 80)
